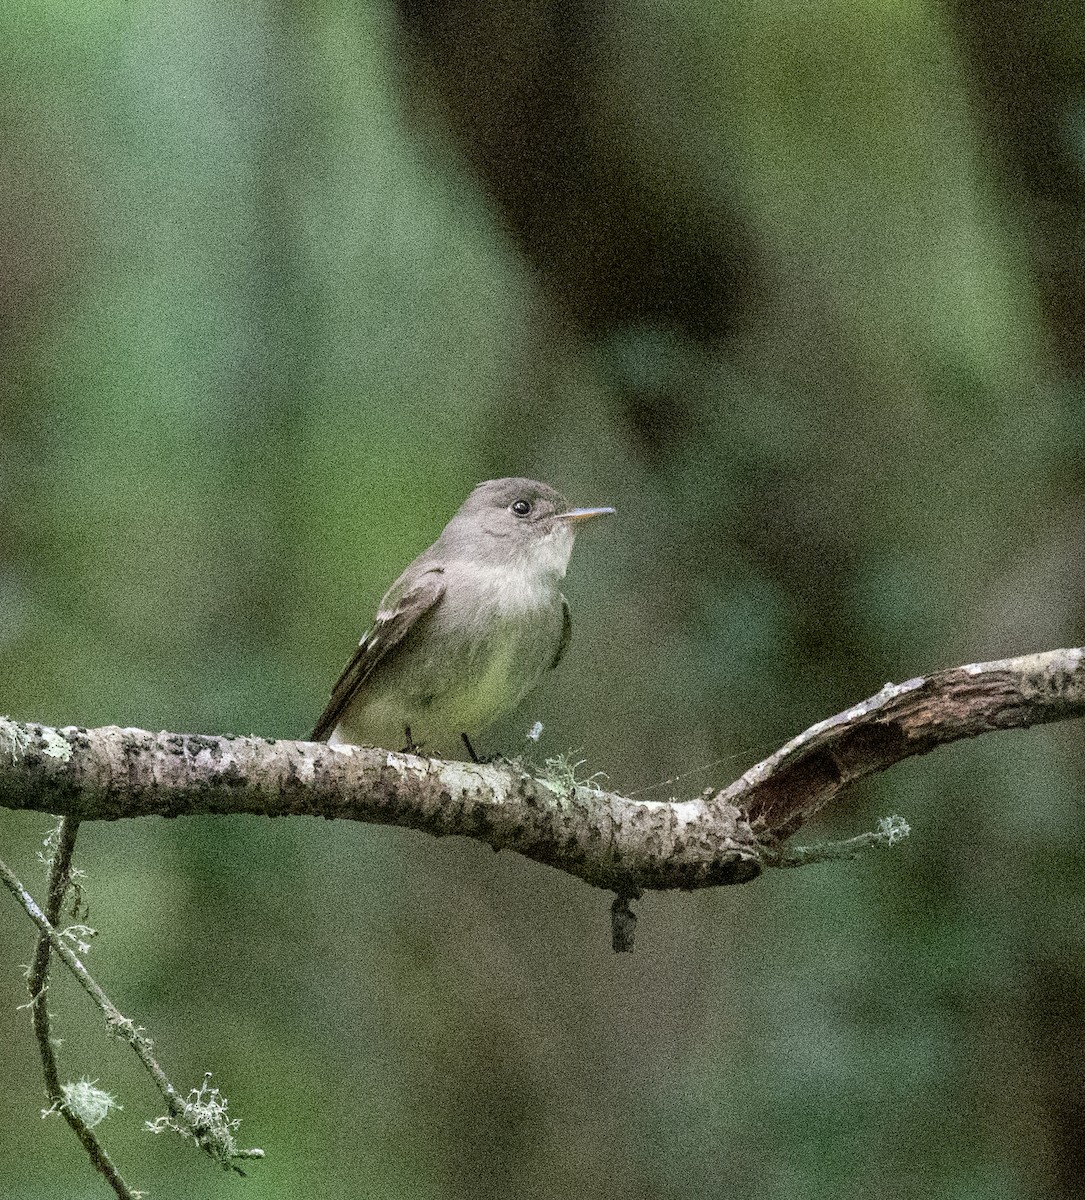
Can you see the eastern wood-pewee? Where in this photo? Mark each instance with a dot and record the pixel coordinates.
(467, 630)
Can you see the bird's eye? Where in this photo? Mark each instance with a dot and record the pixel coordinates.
(521, 507)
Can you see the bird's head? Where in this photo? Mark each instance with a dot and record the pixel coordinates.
(518, 523)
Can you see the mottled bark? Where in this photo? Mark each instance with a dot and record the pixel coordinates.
(110, 773)
(723, 836)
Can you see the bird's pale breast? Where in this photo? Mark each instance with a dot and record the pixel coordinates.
(471, 659)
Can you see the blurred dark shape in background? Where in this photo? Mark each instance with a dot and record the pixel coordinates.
(795, 289)
(616, 240)
(619, 238)
(1029, 89)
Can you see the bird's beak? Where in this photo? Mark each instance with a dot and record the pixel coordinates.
(584, 514)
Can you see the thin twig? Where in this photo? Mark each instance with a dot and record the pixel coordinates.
(890, 832)
(119, 1025)
(60, 877)
(203, 1123)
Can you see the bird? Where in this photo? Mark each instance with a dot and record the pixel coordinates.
(467, 630)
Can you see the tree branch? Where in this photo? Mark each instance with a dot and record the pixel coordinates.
(118, 1024)
(721, 837)
(901, 721)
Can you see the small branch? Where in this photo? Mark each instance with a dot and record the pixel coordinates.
(60, 878)
(119, 1025)
(37, 981)
(623, 925)
(891, 831)
(722, 837)
(201, 1120)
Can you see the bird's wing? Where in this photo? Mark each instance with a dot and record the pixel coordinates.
(399, 611)
(566, 634)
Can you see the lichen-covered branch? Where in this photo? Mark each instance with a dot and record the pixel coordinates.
(202, 1116)
(723, 836)
(110, 773)
(118, 1024)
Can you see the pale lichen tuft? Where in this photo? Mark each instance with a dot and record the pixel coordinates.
(85, 1100)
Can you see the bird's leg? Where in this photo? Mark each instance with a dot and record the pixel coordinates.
(412, 747)
(483, 760)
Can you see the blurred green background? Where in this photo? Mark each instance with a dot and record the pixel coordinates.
(800, 289)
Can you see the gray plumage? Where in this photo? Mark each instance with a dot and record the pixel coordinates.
(468, 629)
